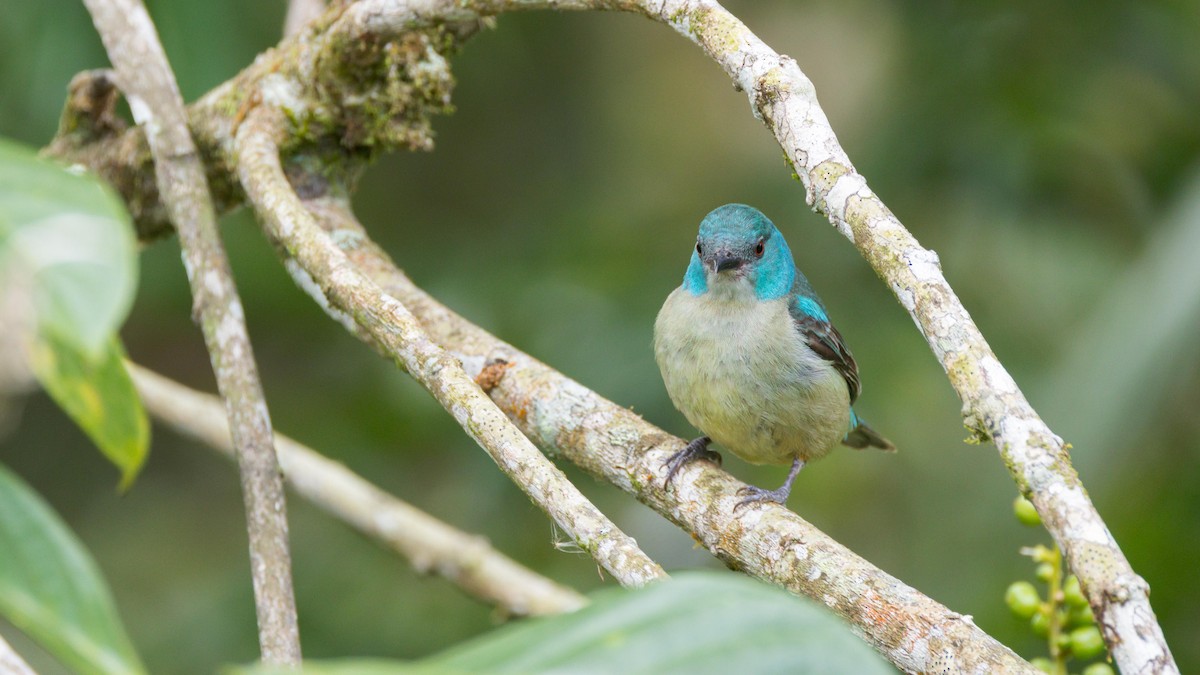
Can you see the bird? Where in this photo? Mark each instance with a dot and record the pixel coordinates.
(749, 356)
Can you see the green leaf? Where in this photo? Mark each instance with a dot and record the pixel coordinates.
(695, 623)
(67, 245)
(69, 240)
(51, 589)
(99, 396)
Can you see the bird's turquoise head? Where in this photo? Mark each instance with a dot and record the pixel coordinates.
(739, 250)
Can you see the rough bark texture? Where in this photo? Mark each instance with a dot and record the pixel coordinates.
(324, 117)
(393, 327)
(149, 85)
(431, 545)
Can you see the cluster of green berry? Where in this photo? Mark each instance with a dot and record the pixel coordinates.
(1063, 617)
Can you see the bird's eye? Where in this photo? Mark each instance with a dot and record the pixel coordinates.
(699, 249)
(759, 248)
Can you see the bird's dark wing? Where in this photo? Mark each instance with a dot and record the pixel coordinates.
(826, 341)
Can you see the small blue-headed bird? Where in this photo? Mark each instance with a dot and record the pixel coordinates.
(750, 358)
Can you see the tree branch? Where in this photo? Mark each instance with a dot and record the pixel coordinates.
(772, 543)
(149, 85)
(289, 223)
(467, 560)
(994, 408)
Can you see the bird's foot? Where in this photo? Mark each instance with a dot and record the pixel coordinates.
(753, 495)
(697, 449)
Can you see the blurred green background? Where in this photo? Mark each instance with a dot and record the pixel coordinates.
(1049, 152)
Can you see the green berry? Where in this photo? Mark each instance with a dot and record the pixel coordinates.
(1086, 642)
(1022, 598)
(1040, 624)
(1072, 593)
(1098, 669)
(1024, 511)
(1043, 664)
(1081, 616)
(1045, 572)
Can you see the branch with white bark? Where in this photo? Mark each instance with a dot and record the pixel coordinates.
(784, 99)
(429, 544)
(149, 85)
(566, 419)
(394, 328)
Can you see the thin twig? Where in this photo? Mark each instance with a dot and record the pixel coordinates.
(911, 630)
(149, 85)
(430, 545)
(289, 223)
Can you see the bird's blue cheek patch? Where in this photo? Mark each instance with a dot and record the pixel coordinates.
(694, 281)
(811, 308)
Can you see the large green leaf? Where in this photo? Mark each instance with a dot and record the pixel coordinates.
(51, 589)
(696, 623)
(99, 395)
(69, 238)
(66, 242)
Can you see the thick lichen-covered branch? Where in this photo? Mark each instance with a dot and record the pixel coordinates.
(149, 85)
(772, 543)
(427, 543)
(394, 328)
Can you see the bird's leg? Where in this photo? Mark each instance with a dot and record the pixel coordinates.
(779, 496)
(697, 449)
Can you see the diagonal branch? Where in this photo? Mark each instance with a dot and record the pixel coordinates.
(153, 95)
(429, 544)
(566, 419)
(392, 326)
(994, 408)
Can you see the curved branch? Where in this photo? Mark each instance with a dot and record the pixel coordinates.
(467, 560)
(994, 408)
(772, 543)
(388, 322)
(149, 85)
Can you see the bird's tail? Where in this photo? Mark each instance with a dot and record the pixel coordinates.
(862, 436)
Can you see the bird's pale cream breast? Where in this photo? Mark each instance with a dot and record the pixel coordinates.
(737, 368)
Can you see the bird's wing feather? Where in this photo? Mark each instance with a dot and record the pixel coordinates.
(826, 341)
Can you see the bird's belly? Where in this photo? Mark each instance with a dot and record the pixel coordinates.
(743, 377)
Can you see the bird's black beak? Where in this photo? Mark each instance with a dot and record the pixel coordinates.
(726, 261)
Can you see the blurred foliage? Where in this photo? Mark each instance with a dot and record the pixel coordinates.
(701, 623)
(1040, 148)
